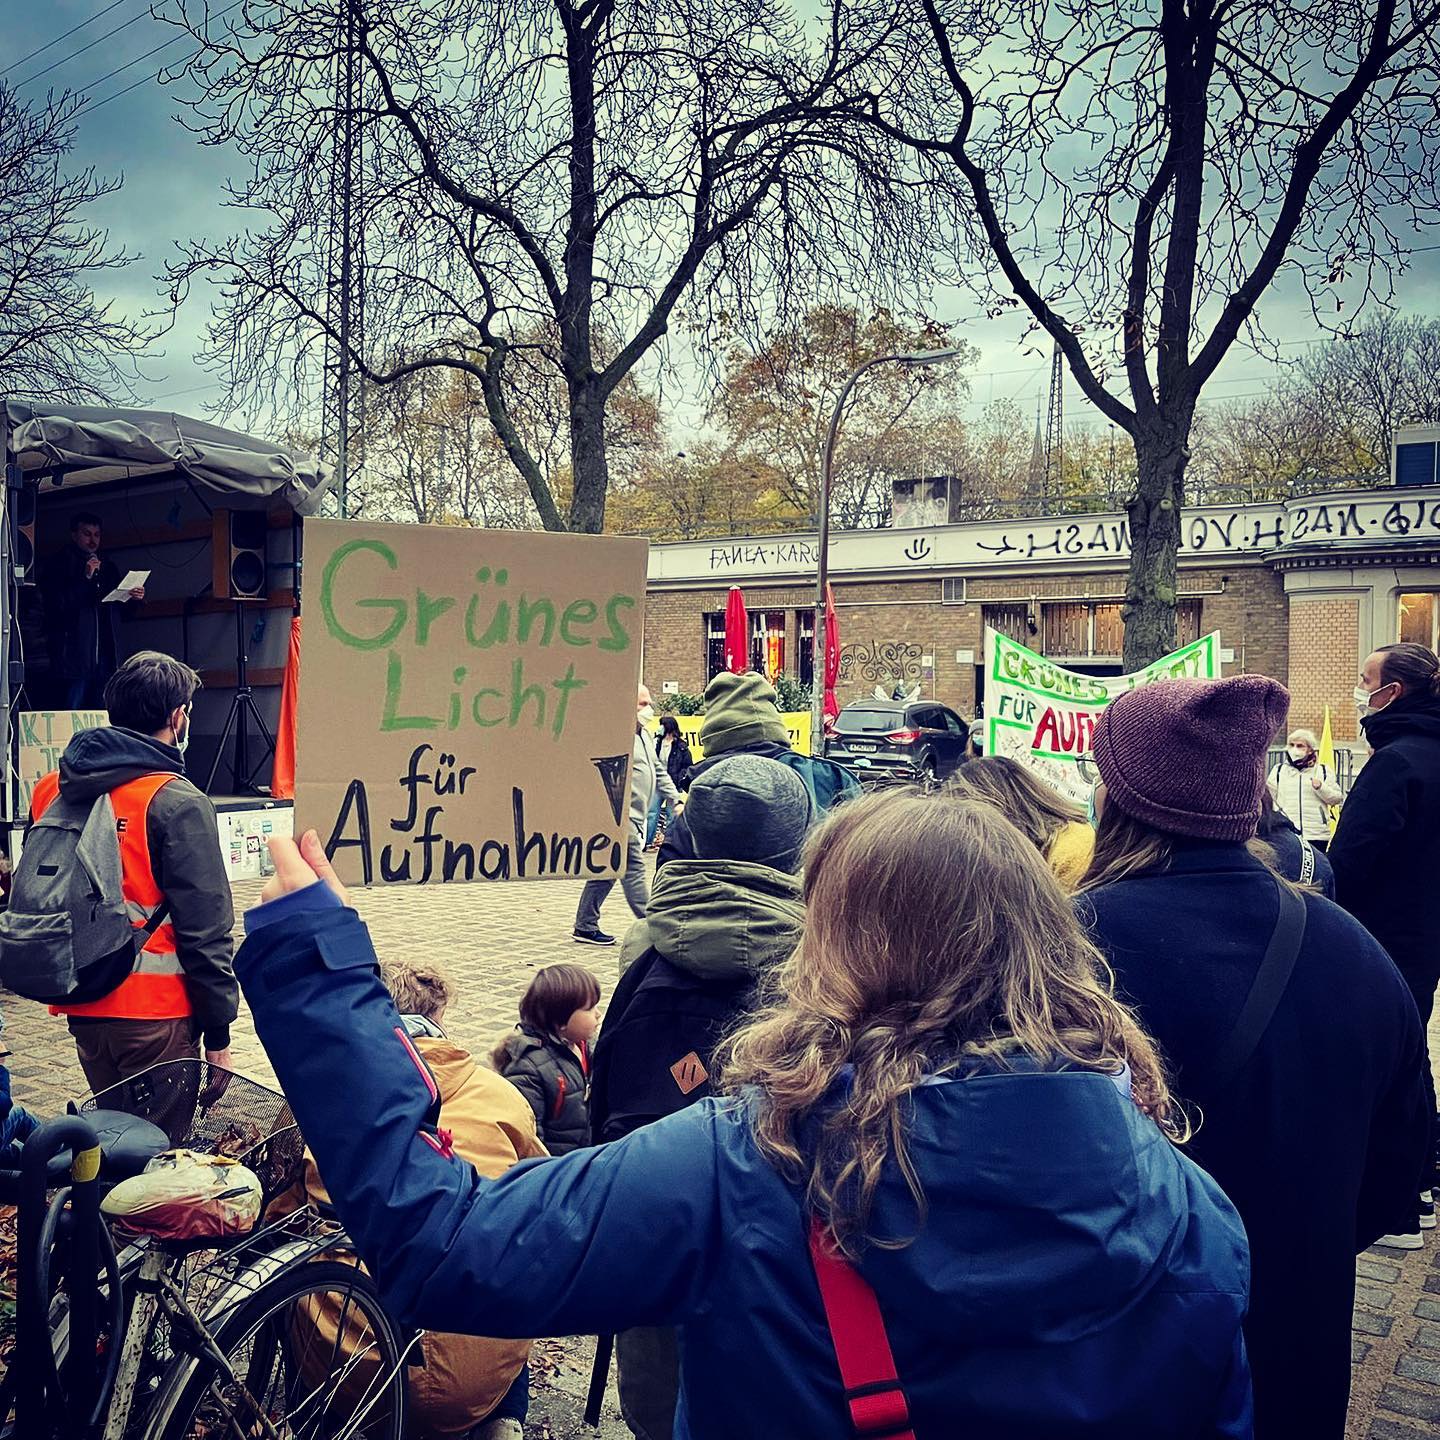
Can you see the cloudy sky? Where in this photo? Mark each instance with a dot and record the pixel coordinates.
(173, 189)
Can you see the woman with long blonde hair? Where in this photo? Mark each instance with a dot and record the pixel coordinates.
(1055, 826)
(945, 1143)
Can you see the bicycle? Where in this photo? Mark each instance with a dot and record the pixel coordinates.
(274, 1334)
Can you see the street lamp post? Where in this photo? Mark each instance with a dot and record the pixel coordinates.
(822, 569)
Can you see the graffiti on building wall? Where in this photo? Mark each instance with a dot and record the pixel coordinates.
(1209, 531)
(1108, 537)
(773, 555)
(1345, 522)
(1230, 531)
(878, 661)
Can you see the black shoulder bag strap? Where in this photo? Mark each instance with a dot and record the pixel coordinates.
(148, 929)
(1265, 990)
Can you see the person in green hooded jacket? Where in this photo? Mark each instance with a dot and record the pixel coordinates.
(742, 717)
(716, 925)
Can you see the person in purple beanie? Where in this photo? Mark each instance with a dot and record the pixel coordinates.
(1286, 1027)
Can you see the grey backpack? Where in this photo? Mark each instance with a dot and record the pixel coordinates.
(66, 937)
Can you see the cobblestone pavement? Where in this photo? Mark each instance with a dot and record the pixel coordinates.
(492, 939)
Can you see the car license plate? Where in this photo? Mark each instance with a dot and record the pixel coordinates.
(864, 744)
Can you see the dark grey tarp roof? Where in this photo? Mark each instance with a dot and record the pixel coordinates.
(93, 444)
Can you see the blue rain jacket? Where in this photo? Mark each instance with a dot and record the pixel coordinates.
(1076, 1276)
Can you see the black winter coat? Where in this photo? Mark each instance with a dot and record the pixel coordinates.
(79, 625)
(550, 1075)
(1386, 850)
(656, 1052)
(679, 764)
(1284, 839)
(1334, 1090)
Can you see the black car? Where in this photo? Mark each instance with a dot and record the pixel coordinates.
(893, 739)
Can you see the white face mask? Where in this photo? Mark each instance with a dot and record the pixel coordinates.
(1298, 753)
(1363, 697)
(182, 742)
(645, 714)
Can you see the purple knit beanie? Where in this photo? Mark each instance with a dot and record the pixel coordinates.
(1188, 756)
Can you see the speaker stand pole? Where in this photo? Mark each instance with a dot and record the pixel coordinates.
(243, 709)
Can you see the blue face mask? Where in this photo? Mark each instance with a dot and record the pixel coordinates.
(1090, 814)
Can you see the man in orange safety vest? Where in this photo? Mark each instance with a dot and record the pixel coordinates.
(182, 987)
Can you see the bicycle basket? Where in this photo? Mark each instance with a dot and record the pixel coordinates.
(202, 1107)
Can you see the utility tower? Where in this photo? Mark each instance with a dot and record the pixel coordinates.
(1055, 429)
(1037, 454)
(343, 390)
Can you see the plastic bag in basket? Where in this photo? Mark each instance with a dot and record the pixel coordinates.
(182, 1195)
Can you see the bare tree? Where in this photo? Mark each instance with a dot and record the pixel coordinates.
(432, 456)
(707, 490)
(1138, 176)
(57, 339)
(1264, 449)
(533, 172)
(774, 404)
(1383, 374)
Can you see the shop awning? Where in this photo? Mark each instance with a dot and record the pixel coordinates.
(72, 445)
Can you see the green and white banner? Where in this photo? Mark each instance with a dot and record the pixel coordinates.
(1044, 715)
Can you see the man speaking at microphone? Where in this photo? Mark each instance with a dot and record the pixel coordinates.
(80, 625)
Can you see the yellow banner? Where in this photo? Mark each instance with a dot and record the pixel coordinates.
(797, 724)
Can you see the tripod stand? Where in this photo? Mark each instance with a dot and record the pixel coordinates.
(243, 709)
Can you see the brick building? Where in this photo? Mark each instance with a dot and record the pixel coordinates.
(1301, 590)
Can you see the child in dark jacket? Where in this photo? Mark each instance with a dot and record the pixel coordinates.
(547, 1056)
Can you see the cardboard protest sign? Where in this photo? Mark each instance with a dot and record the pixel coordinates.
(1044, 715)
(796, 722)
(44, 734)
(467, 701)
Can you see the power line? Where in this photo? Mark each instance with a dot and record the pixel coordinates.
(120, 69)
(16, 64)
(90, 105)
(96, 104)
(65, 59)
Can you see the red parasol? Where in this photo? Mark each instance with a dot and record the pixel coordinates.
(737, 633)
(832, 655)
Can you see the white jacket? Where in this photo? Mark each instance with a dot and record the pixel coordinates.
(1300, 802)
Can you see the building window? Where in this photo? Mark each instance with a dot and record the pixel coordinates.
(952, 590)
(1066, 629)
(1012, 621)
(1420, 618)
(1109, 630)
(1093, 630)
(767, 643)
(1416, 464)
(805, 646)
(714, 646)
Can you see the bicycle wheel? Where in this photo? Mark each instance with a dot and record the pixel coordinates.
(312, 1356)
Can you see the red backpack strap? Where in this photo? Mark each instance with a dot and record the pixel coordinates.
(873, 1392)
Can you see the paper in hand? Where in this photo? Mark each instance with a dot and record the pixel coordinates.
(133, 580)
